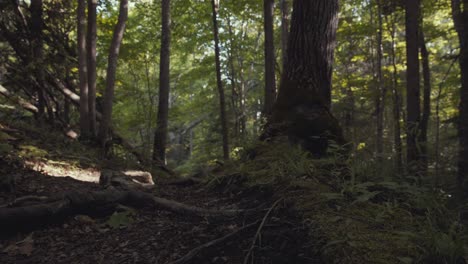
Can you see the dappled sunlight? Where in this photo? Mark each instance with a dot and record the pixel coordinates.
(63, 169)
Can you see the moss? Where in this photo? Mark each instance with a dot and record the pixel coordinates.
(368, 222)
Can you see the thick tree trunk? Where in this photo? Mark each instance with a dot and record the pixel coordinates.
(83, 69)
(91, 54)
(111, 71)
(460, 18)
(222, 102)
(284, 30)
(426, 111)
(270, 62)
(160, 135)
(302, 107)
(412, 87)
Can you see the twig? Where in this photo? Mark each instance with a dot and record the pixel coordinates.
(194, 252)
(246, 259)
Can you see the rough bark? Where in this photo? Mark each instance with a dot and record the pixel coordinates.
(111, 71)
(270, 61)
(426, 111)
(91, 39)
(83, 69)
(222, 101)
(412, 86)
(460, 18)
(302, 108)
(160, 135)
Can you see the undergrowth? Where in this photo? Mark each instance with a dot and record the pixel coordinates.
(353, 221)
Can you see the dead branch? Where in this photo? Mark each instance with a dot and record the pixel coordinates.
(196, 251)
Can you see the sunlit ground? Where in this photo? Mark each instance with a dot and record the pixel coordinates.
(62, 169)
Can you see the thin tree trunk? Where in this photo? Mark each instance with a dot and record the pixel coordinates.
(284, 30)
(83, 69)
(111, 71)
(412, 87)
(270, 82)
(222, 103)
(160, 135)
(426, 111)
(397, 143)
(381, 91)
(91, 54)
(460, 18)
(37, 24)
(234, 90)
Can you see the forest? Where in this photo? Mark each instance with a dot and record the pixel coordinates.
(248, 131)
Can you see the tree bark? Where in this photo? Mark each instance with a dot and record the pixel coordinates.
(91, 40)
(270, 62)
(222, 102)
(160, 135)
(284, 30)
(111, 71)
(83, 69)
(302, 108)
(426, 111)
(412, 87)
(460, 18)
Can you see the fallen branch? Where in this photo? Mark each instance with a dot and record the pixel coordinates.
(247, 256)
(98, 202)
(18, 100)
(196, 251)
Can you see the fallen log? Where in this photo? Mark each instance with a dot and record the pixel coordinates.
(18, 100)
(104, 202)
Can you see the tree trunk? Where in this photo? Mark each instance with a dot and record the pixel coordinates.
(91, 50)
(460, 18)
(160, 135)
(426, 111)
(381, 91)
(412, 87)
(83, 69)
(111, 71)
(270, 82)
(222, 103)
(302, 108)
(284, 30)
(37, 24)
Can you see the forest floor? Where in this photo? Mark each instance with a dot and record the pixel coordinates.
(47, 164)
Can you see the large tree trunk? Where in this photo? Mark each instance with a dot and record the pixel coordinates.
(222, 102)
(302, 108)
(83, 69)
(160, 135)
(284, 30)
(111, 71)
(91, 49)
(412, 87)
(426, 111)
(460, 18)
(270, 62)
